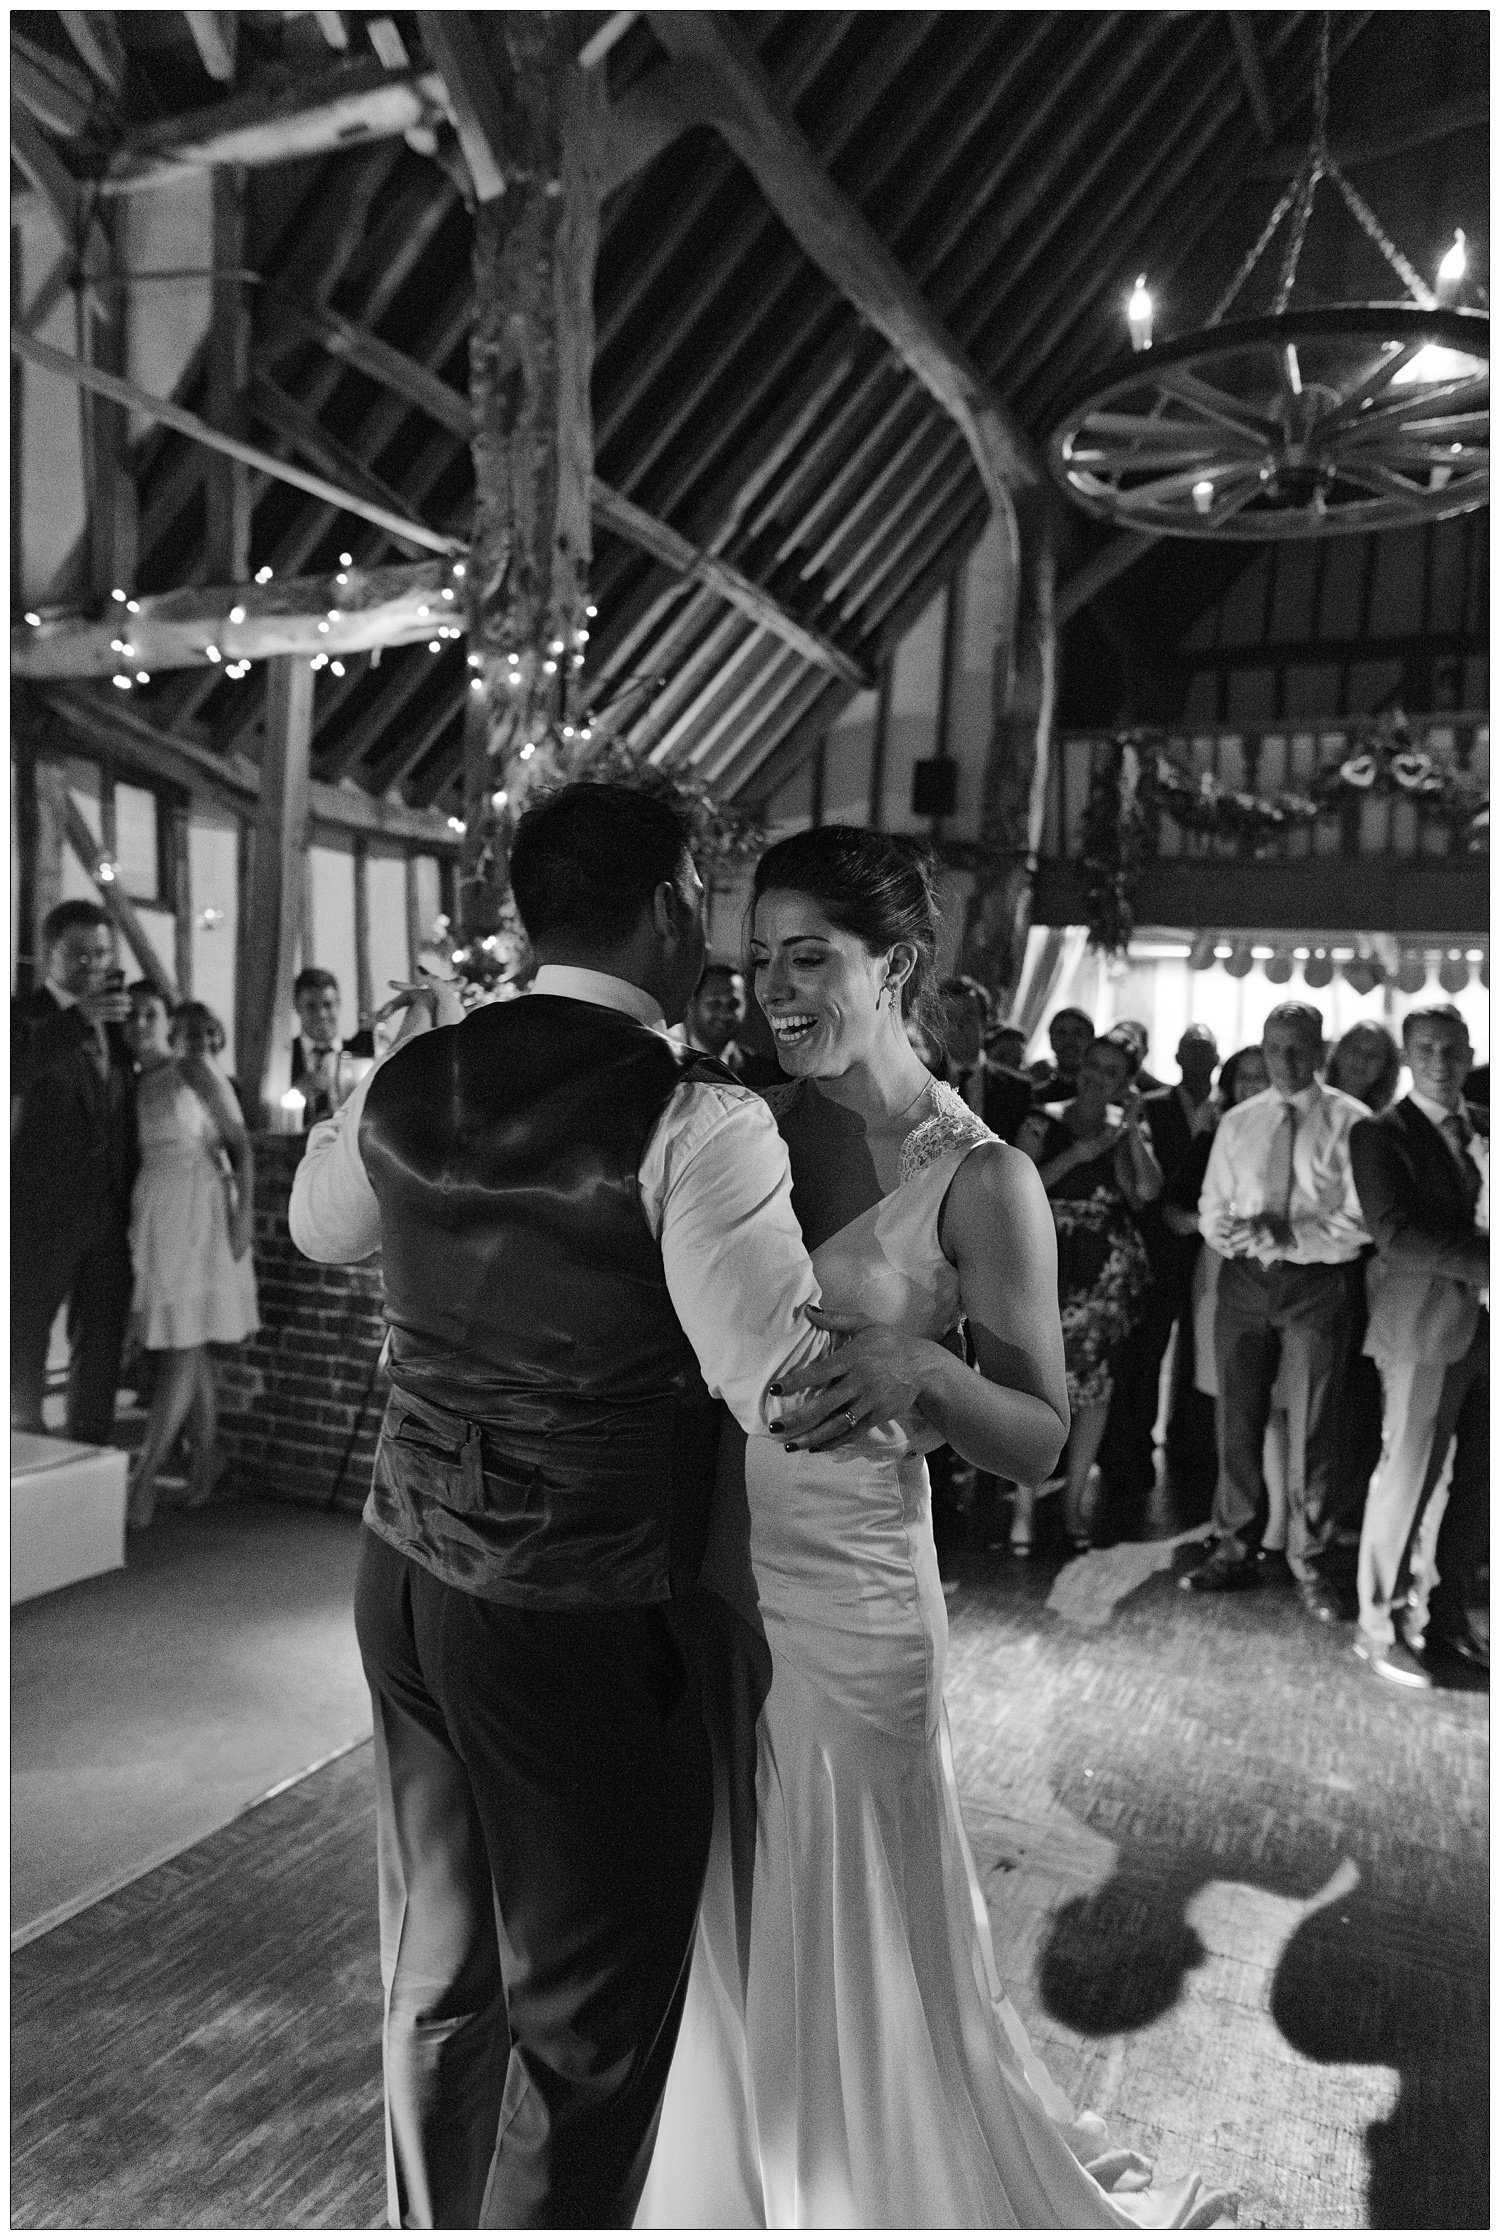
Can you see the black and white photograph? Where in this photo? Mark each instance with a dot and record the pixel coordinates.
(749, 1075)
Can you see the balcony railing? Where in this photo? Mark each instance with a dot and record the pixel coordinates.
(1280, 758)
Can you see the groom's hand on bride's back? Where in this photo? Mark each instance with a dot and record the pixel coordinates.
(870, 1377)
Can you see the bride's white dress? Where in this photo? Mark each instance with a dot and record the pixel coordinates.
(847, 2056)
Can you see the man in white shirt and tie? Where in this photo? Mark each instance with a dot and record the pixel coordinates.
(1279, 1204)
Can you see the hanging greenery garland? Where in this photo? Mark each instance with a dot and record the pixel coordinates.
(1138, 783)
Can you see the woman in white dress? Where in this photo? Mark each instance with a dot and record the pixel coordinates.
(190, 1221)
(847, 2055)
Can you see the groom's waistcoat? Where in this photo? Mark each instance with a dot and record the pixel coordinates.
(549, 1440)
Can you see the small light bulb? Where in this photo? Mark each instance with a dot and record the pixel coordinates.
(514, 659)
(513, 678)
(346, 559)
(322, 629)
(1203, 497)
(497, 800)
(117, 593)
(333, 614)
(580, 637)
(555, 646)
(591, 612)
(1139, 311)
(476, 660)
(578, 660)
(567, 730)
(122, 682)
(132, 606)
(447, 593)
(585, 733)
(262, 575)
(1455, 264)
(458, 568)
(128, 651)
(213, 653)
(423, 613)
(105, 871)
(476, 684)
(434, 645)
(35, 620)
(236, 614)
(341, 577)
(337, 668)
(116, 645)
(527, 751)
(455, 824)
(549, 668)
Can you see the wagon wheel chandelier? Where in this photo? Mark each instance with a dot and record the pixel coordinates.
(1309, 423)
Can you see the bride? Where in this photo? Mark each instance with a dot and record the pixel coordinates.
(847, 2056)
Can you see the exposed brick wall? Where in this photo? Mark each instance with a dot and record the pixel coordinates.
(290, 1396)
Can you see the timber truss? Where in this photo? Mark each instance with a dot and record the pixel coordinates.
(846, 262)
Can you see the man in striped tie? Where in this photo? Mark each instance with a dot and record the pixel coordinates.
(1279, 1204)
(1422, 1171)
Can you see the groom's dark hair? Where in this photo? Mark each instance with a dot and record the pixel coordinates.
(585, 863)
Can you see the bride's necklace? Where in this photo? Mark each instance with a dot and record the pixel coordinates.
(922, 1092)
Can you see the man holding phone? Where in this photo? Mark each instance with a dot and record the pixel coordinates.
(73, 1161)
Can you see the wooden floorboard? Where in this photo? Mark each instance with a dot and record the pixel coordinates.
(1238, 1888)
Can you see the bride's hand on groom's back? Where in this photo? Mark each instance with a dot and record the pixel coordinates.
(872, 1376)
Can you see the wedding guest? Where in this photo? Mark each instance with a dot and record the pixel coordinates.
(1194, 1457)
(715, 1016)
(1176, 1118)
(73, 1160)
(1007, 1046)
(190, 1224)
(1000, 1094)
(1366, 1064)
(323, 1067)
(1098, 1169)
(1134, 1032)
(1279, 1205)
(1070, 1032)
(200, 1031)
(1422, 1172)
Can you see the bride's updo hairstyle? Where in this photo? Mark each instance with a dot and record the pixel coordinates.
(876, 885)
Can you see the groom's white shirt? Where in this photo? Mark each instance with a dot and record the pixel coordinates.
(716, 1190)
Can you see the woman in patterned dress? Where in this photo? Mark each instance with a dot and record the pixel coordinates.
(1098, 1169)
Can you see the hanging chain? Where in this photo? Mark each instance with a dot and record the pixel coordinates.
(1318, 164)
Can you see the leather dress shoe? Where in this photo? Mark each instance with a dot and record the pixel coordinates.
(1323, 1602)
(1221, 1573)
(1464, 1642)
(1392, 1661)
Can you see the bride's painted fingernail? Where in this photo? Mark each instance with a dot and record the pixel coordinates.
(776, 1429)
(791, 1446)
(774, 1390)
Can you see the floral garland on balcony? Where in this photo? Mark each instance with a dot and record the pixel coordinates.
(1138, 784)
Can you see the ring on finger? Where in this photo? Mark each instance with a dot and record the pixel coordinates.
(852, 1418)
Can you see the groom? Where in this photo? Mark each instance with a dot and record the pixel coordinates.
(588, 1248)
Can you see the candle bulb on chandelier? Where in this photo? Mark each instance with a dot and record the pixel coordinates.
(1139, 312)
(1452, 269)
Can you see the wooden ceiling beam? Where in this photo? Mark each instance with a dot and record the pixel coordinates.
(611, 509)
(174, 629)
(303, 433)
(112, 730)
(942, 492)
(325, 114)
(1466, 112)
(454, 40)
(214, 31)
(188, 424)
(818, 34)
(1252, 70)
(59, 96)
(647, 118)
(93, 33)
(357, 743)
(833, 231)
(1109, 562)
(940, 456)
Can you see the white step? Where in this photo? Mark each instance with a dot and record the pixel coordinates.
(67, 1513)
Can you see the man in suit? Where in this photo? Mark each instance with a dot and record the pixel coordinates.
(626, 1261)
(999, 1094)
(1070, 1032)
(323, 1068)
(1422, 1170)
(1133, 1032)
(1279, 1205)
(73, 1160)
(1175, 1117)
(715, 1016)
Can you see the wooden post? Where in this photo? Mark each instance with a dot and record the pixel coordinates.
(1015, 778)
(530, 361)
(51, 820)
(226, 480)
(364, 1001)
(271, 903)
(180, 893)
(26, 965)
(108, 488)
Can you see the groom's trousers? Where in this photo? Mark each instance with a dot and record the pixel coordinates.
(544, 1808)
